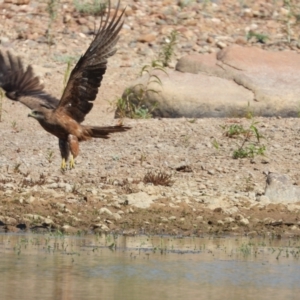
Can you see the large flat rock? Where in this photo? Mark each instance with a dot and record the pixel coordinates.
(185, 94)
(228, 84)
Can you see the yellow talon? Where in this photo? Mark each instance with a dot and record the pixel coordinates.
(72, 162)
(63, 165)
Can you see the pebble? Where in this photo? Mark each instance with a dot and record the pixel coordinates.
(228, 220)
(30, 200)
(244, 222)
(116, 216)
(48, 221)
(105, 210)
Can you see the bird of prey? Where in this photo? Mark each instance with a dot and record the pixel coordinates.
(63, 117)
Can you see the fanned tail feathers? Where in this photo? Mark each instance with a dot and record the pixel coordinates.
(103, 132)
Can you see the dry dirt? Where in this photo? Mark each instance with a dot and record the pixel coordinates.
(208, 192)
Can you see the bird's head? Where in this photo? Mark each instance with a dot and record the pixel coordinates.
(36, 114)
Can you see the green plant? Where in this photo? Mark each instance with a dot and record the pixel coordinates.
(245, 249)
(93, 7)
(216, 144)
(133, 102)
(52, 11)
(233, 130)
(249, 112)
(67, 74)
(184, 3)
(14, 126)
(167, 50)
(260, 38)
(185, 141)
(50, 156)
(246, 147)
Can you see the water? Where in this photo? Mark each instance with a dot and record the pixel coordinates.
(57, 267)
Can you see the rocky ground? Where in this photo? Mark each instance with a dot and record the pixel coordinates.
(205, 190)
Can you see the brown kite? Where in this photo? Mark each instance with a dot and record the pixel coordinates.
(62, 117)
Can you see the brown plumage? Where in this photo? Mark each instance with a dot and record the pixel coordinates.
(62, 118)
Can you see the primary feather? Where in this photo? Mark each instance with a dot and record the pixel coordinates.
(86, 77)
(22, 85)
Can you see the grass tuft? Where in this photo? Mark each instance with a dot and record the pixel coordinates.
(158, 178)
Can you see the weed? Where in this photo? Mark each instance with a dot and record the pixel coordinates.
(133, 104)
(184, 3)
(247, 147)
(158, 178)
(17, 168)
(260, 38)
(50, 156)
(167, 50)
(14, 126)
(67, 74)
(143, 158)
(185, 141)
(250, 151)
(216, 144)
(94, 7)
(249, 112)
(234, 130)
(245, 249)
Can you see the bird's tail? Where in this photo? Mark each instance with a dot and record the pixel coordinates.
(103, 132)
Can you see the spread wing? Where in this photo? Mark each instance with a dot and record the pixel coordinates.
(22, 85)
(86, 77)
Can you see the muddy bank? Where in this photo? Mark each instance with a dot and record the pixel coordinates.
(205, 190)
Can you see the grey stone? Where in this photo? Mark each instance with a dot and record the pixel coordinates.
(279, 189)
(244, 222)
(192, 95)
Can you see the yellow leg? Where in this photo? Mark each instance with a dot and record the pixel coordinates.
(72, 162)
(63, 165)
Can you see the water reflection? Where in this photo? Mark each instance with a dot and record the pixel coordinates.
(55, 267)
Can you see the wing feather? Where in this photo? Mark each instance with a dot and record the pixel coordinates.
(22, 85)
(86, 77)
